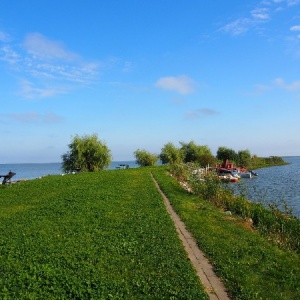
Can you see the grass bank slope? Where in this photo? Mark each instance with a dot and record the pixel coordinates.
(251, 266)
(101, 235)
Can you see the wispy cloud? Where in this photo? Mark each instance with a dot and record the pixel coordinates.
(47, 66)
(293, 86)
(293, 2)
(277, 83)
(4, 37)
(295, 28)
(180, 84)
(259, 15)
(33, 90)
(32, 117)
(200, 113)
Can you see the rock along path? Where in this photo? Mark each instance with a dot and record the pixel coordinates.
(211, 282)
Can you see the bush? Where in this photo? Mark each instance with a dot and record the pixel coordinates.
(86, 153)
(145, 158)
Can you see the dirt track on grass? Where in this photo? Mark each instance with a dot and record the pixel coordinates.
(211, 282)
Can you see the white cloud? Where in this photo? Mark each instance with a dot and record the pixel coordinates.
(8, 55)
(260, 13)
(293, 86)
(47, 67)
(32, 90)
(293, 2)
(258, 16)
(33, 117)
(278, 83)
(45, 49)
(4, 37)
(201, 112)
(295, 28)
(238, 27)
(180, 84)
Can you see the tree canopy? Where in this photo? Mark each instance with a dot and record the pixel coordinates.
(244, 158)
(224, 153)
(145, 158)
(170, 154)
(86, 153)
(196, 153)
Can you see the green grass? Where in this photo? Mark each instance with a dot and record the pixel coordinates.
(102, 235)
(107, 235)
(251, 266)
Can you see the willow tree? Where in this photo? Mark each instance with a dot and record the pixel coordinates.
(200, 154)
(86, 153)
(170, 154)
(145, 158)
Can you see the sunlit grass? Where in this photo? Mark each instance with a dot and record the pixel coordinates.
(251, 266)
(99, 235)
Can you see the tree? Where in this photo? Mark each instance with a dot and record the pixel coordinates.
(170, 154)
(244, 158)
(196, 153)
(86, 153)
(145, 158)
(224, 153)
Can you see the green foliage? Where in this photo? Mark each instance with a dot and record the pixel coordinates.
(224, 153)
(262, 162)
(145, 158)
(170, 154)
(196, 153)
(251, 266)
(102, 235)
(244, 158)
(86, 153)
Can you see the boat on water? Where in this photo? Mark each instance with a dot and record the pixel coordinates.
(229, 168)
(229, 178)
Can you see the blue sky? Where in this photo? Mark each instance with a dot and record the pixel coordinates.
(142, 73)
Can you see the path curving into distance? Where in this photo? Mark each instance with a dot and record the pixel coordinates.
(211, 282)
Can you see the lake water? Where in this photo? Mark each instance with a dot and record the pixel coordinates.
(32, 170)
(276, 184)
(272, 184)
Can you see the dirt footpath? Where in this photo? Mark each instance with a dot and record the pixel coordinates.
(211, 282)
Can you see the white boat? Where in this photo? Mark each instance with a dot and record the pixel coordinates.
(245, 175)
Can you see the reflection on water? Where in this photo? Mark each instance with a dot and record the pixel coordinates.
(277, 184)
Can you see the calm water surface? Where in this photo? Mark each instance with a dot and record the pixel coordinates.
(277, 183)
(32, 171)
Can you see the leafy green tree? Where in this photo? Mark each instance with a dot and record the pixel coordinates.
(145, 158)
(170, 154)
(196, 153)
(224, 153)
(86, 153)
(244, 158)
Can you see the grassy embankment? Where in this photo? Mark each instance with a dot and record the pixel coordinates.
(107, 235)
(102, 235)
(252, 266)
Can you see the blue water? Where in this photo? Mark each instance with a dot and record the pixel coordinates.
(32, 170)
(276, 184)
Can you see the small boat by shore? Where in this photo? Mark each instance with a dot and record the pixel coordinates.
(229, 178)
(229, 168)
